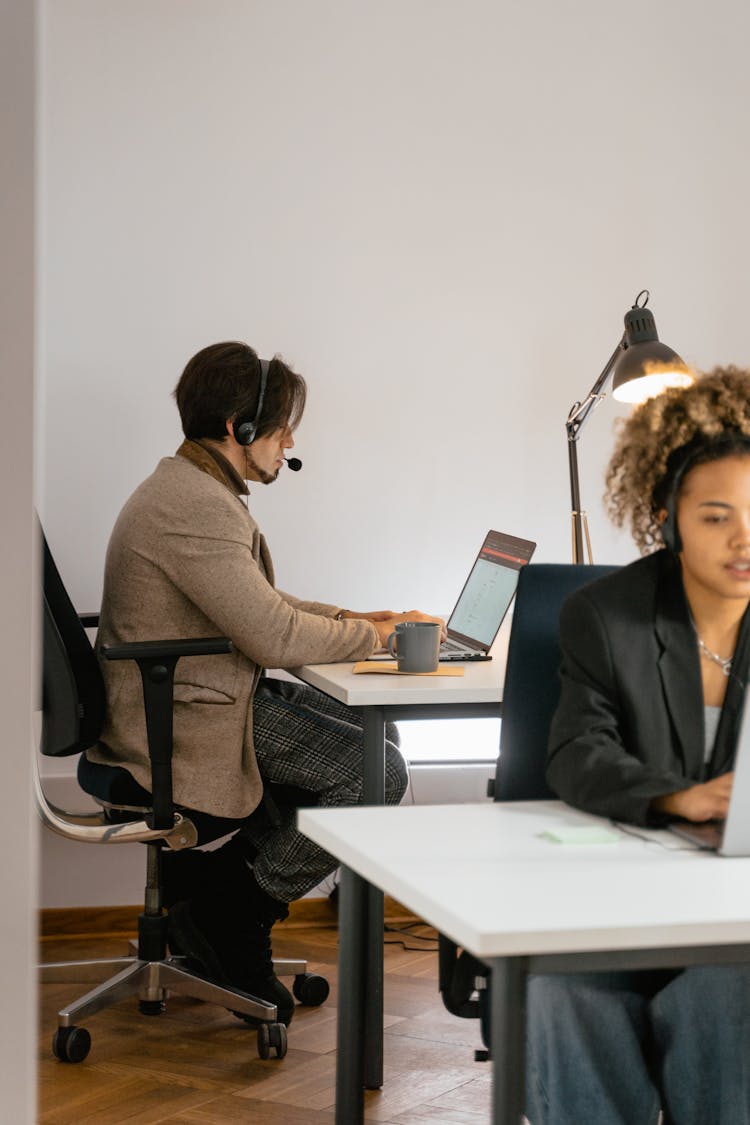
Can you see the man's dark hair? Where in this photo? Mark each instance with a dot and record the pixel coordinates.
(223, 381)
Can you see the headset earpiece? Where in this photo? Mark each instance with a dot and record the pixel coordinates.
(669, 531)
(245, 430)
(699, 449)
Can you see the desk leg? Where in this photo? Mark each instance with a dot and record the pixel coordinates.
(374, 794)
(350, 1039)
(373, 724)
(508, 1040)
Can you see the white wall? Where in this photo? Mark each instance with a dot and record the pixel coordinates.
(438, 212)
(18, 835)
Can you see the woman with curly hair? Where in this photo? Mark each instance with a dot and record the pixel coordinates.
(655, 658)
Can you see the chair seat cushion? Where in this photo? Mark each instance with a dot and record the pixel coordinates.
(111, 784)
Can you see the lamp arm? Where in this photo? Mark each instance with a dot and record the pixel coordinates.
(579, 412)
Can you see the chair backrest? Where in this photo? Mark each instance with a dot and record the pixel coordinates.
(532, 683)
(73, 698)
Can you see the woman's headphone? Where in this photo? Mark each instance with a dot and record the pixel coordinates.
(683, 460)
(245, 429)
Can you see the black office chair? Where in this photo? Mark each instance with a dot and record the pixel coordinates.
(530, 696)
(73, 708)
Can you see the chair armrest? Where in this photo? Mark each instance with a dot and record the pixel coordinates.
(156, 662)
(137, 650)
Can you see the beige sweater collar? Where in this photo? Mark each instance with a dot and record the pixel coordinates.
(210, 461)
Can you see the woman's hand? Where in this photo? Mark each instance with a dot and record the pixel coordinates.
(707, 801)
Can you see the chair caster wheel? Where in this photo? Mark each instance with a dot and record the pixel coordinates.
(151, 1007)
(311, 989)
(272, 1035)
(71, 1044)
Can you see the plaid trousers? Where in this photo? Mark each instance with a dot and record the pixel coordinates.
(309, 752)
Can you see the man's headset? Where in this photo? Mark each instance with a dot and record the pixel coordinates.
(246, 430)
(685, 458)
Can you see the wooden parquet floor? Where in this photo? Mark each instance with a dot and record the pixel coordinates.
(197, 1064)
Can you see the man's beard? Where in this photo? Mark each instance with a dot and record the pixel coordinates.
(261, 474)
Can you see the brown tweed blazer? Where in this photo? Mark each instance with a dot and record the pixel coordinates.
(187, 560)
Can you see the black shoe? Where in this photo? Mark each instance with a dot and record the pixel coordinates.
(232, 955)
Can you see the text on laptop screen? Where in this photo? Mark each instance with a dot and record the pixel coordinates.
(490, 587)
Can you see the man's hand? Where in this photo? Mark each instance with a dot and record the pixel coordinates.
(374, 615)
(385, 621)
(708, 801)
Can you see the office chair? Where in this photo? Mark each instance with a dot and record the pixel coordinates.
(73, 707)
(530, 696)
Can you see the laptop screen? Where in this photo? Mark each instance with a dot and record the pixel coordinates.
(489, 589)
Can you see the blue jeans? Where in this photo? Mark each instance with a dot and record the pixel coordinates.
(612, 1048)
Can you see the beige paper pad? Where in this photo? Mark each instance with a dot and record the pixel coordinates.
(390, 668)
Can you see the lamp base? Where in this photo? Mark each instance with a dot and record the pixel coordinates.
(580, 531)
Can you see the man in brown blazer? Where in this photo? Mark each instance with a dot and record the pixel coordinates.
(186, 559)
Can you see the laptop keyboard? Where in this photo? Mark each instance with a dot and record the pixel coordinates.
(707, 834)
(453, 646)
(454, 650)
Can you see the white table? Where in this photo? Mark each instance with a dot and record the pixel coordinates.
(484, 875)
(481, 683)
(384, 698)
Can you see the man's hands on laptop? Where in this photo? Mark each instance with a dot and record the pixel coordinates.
(385, 621)
(707, 801)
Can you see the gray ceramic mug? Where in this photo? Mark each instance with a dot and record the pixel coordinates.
(416, 645)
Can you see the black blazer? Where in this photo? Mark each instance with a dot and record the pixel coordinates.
(629, 725)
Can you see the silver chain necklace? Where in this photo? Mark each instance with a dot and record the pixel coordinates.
(725, 665)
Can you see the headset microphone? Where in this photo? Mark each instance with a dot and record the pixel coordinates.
(293, 463)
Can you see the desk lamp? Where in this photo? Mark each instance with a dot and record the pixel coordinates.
(640, 367)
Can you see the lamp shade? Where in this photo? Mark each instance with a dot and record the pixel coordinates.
(646, 367)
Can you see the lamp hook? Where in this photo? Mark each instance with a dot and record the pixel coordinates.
(635, 302)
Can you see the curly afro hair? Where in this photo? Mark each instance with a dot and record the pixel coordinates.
(702, 422)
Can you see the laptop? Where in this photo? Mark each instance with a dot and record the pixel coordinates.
(485, 597)
(731, 836)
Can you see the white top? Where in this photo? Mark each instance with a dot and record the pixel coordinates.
(711, 716)
(482, 681)
(486, 876)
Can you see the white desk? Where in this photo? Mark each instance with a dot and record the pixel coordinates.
(484, 875)
(380, 699)
(482, 682)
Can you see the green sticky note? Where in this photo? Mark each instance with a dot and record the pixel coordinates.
(580, 834)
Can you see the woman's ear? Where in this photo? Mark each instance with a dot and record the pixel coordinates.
(661, 515)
